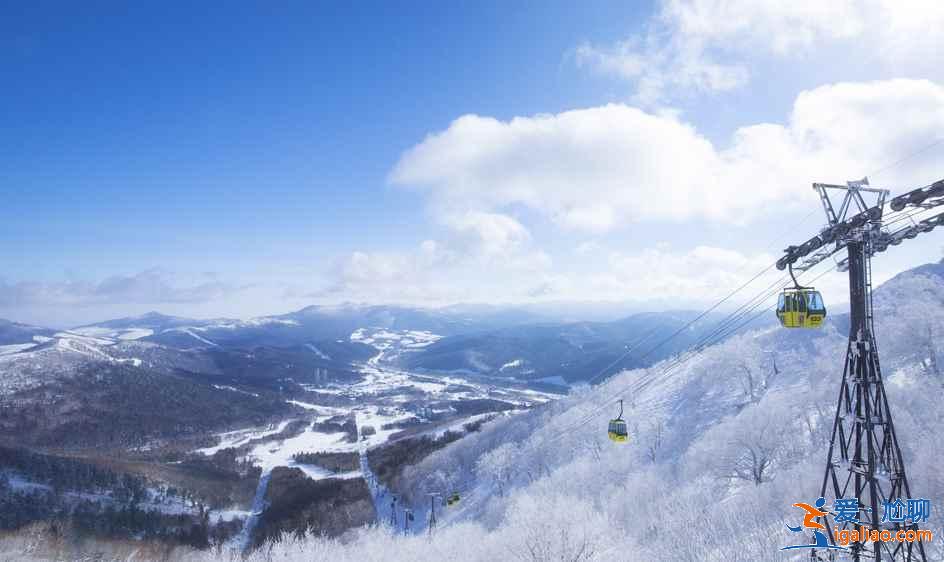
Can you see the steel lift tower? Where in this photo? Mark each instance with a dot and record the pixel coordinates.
(864, 459)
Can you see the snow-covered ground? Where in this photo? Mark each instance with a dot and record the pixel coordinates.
(240, 437)
(26, 365)
(512, 365)
(244, 539)
(318, 352)
(320, 410)
(459, 426)
(279, 453)
(402, 340)
(103, 334)
(548, 484)
(382, 397)
(156, 500)
(405, 386)
(15, 348)
(234, 389)
(191, 331)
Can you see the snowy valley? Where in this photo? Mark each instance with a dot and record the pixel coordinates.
(723, 443)
(723, 439)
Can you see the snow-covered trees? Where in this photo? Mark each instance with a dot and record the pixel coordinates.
(748, 447)
(498, 466)
(908, 332)
(653, 441)
(712, 450)
(723, 445)
(556, 527)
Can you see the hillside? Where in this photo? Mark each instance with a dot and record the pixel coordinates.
(540, 486)
(564, 353)
(724, 441)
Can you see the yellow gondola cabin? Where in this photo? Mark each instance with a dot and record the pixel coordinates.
(801, 307)
(617, 431)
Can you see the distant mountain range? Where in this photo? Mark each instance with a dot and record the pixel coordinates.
(309, 324)
(50, 371)
(15, 333)
(156, 388)
(566, 353)
(490, 341)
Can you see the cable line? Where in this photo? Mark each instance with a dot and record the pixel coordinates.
(715, 337)
(600, 375)
(907, 157)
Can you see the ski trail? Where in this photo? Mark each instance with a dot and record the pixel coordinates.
(376, 489)
(378, 492)
(244, 538)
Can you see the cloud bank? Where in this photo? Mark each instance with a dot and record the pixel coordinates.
(696, 47)
(600, 168)
(152, 286)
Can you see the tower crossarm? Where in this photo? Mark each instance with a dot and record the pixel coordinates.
(833, 238)
(886, 239)
(922, 197)
(837, 235)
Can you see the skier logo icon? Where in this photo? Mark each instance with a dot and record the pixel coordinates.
(820, 540)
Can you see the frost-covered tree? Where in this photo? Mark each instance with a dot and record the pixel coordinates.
(746, 447)
(499, 466)
(653, 439)
(568, 529)
(906, 330)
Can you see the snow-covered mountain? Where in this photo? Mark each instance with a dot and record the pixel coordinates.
(722, 444)
(56, 355)
(311, 323)
(476, 341)
(13, 333)
(563, 354)
(44, 369)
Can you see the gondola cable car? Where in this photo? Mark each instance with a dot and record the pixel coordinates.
(800, 307)
(617, 431)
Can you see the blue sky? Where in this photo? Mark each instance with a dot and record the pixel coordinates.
(271, 127)
(249, 158)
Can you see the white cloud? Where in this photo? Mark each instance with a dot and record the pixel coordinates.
(695, 275)
(582, 168)
(696, 46)
(772, 25)
(361, 266)
(599, 168)
(587, 248)
(493, 235)
(484, 254)
(371, 268)
(657, 68)
(152, 286)
(657, 277)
